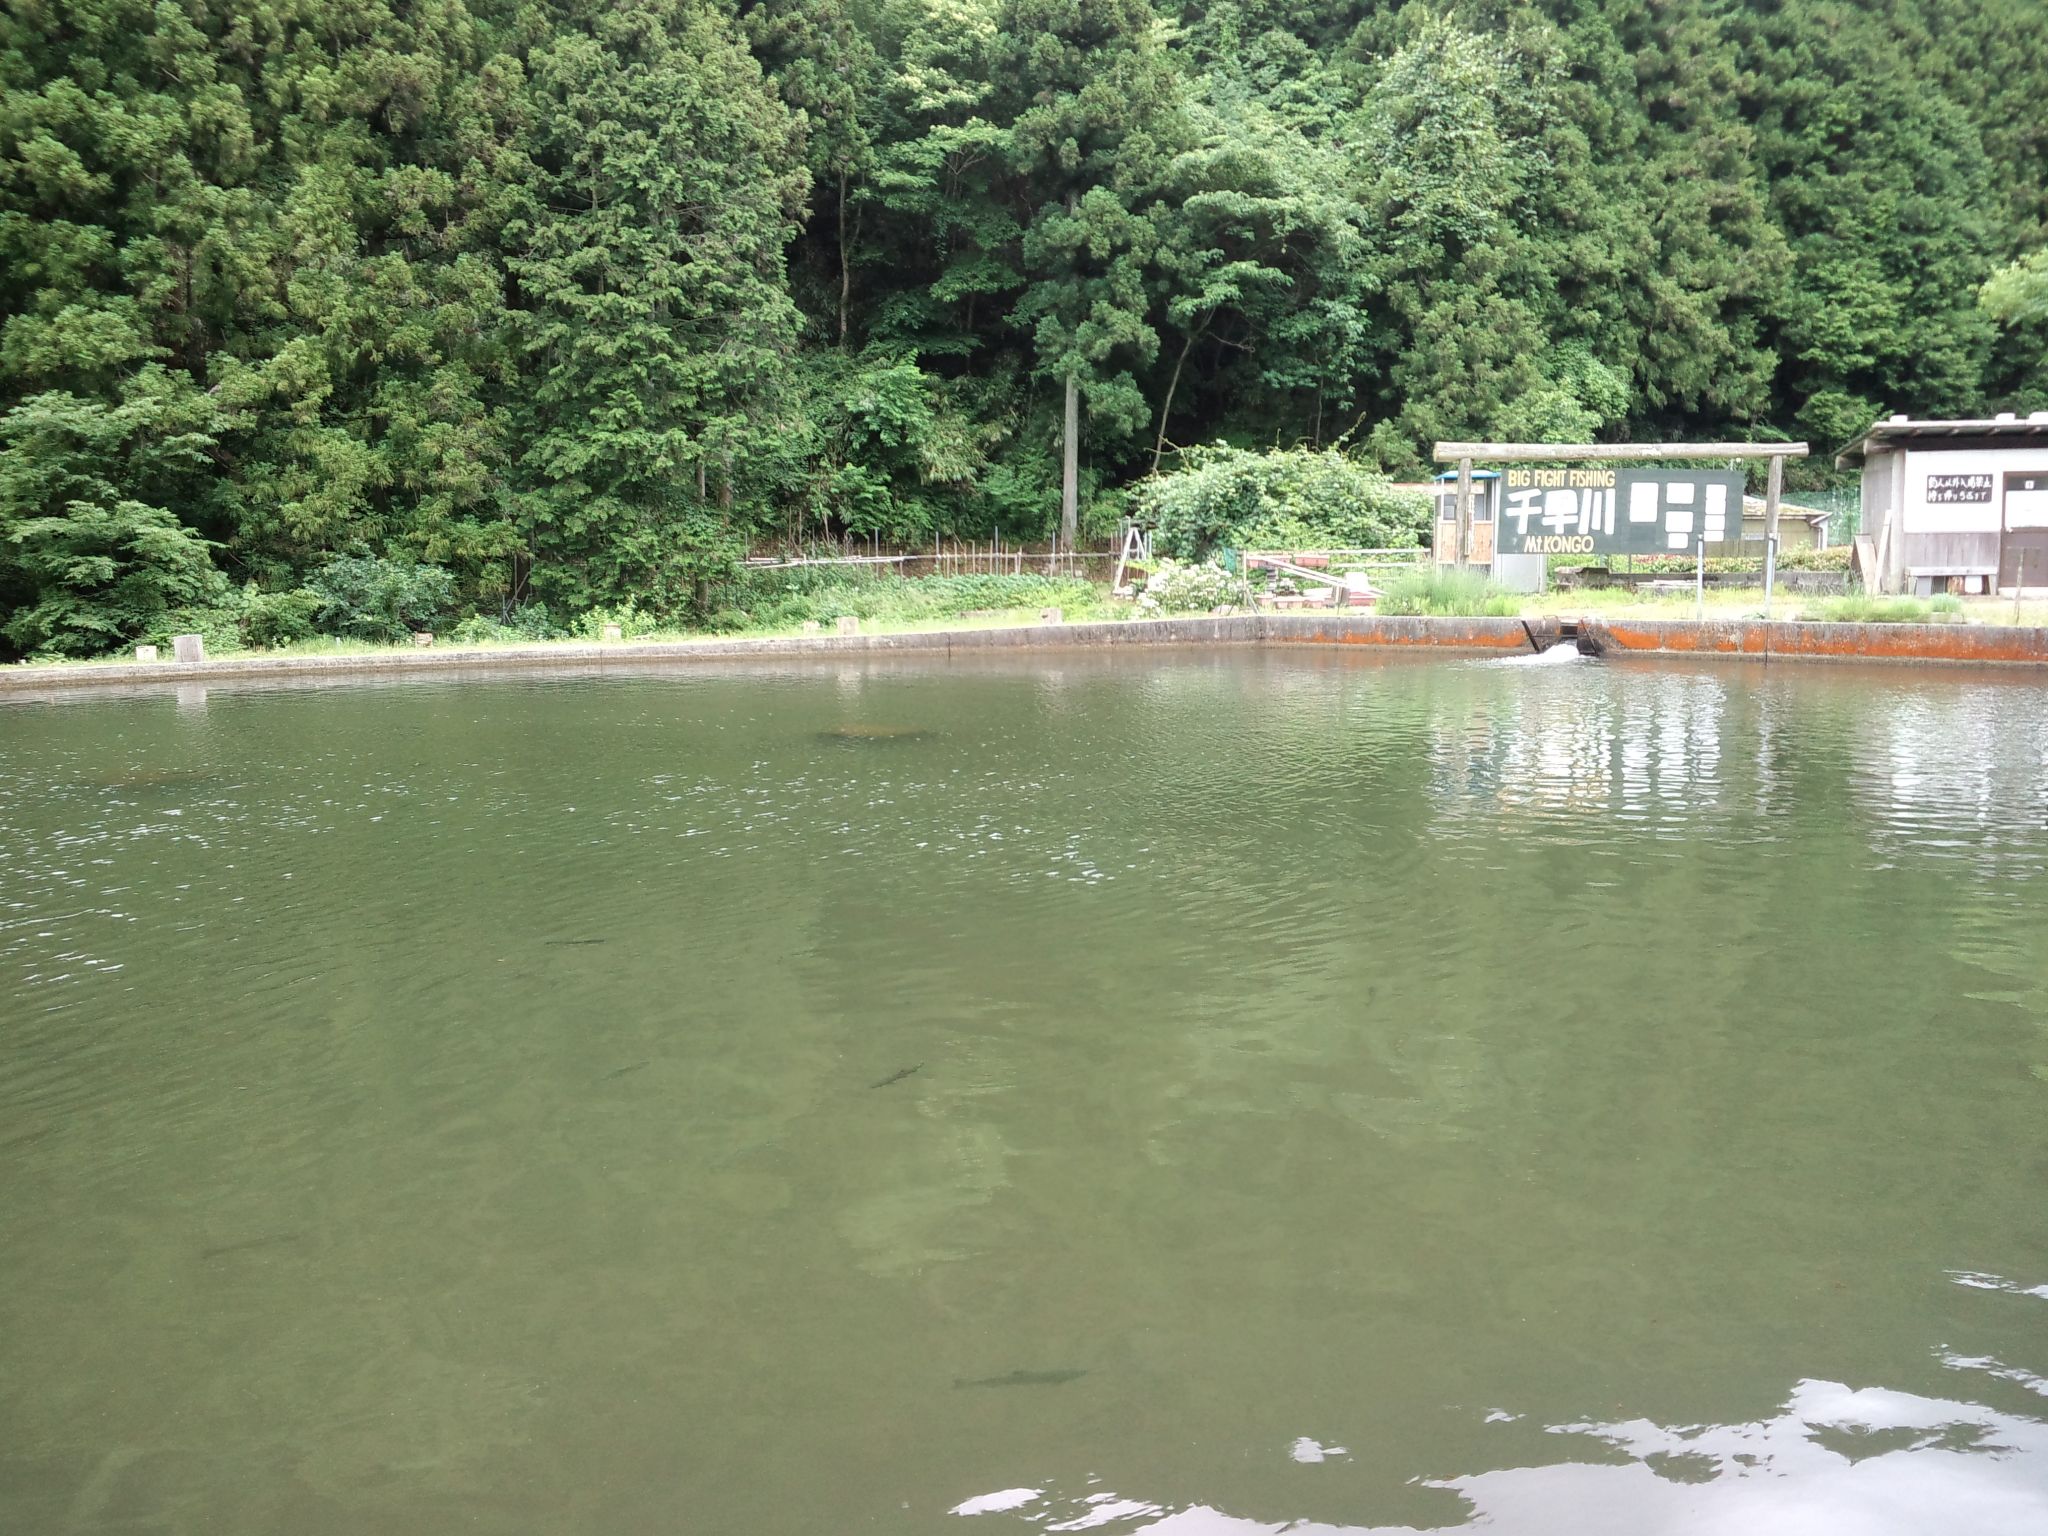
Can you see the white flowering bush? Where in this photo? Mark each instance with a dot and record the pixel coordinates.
(1178, 588)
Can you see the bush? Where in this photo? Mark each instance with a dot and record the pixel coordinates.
(271, 619)
(1834, 558)
(1448, 593)
(1177, 588)
(627, 615)
(530, 621)
(367, 597)
(218, 624)
(1286, 499)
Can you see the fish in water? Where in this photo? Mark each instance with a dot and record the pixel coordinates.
(623, 1071)
(898, 1075)
(574, 941)
(274, 1240)
(143, 780)
(1021, 1379)
(873, 733)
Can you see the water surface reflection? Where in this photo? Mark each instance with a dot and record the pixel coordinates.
(1835, 1460)
(1318, 1089)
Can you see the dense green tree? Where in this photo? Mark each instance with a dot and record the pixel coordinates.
(664, 185)
(1882, 187)
(2018, 294)
(91, 555)
(1092, 112)
(1265, 272)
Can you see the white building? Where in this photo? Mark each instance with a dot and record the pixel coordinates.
(1953, 505)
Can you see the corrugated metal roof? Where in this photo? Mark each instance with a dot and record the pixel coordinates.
(1904, 432)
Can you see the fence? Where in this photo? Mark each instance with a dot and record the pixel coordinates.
(946, 557)
(1844, 507)
(1335, 561)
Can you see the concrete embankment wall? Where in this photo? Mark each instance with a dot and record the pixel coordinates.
(1246, 629)
(1735, 639)
(1760, 639)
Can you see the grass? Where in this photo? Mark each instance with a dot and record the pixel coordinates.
(1867, 608)
(1445, 593)
(766, 602)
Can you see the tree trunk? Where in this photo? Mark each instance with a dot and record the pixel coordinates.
(845, 268)
(1070, 470)
(1166, 407)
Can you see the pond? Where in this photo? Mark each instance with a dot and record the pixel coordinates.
(1197, 1093)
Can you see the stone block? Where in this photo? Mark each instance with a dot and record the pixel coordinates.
(145, 653)
(421, 638)
(849, 625)
(189, 647)
(812, 626)
(614, 632)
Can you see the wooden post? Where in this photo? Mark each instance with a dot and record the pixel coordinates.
(1464, 534)
(1772, 490)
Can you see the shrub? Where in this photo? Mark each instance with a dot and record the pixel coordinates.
(1286, 499)
(1834, 558)
(1448, 593)
(218, 624)
(632, 622)
(530, 621)
(1178, 588)
(272, 619)
(367, 597)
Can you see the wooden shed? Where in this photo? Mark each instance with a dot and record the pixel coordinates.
(1953, 505)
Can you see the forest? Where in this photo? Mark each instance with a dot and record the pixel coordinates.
(538, 305)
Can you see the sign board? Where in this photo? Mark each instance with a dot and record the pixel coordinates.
(1605, 511)
(1958, 490)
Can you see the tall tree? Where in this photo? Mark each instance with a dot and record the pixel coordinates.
(1092, 109)
(665, 182)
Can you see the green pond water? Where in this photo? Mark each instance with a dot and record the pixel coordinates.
(1206, 1094)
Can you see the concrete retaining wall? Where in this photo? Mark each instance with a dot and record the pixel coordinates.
(1784, 640)
(1245, 629)
(1754, 639)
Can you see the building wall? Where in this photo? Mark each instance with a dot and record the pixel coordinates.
(1924, 517)
(1963, 535)
(1922, 532)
